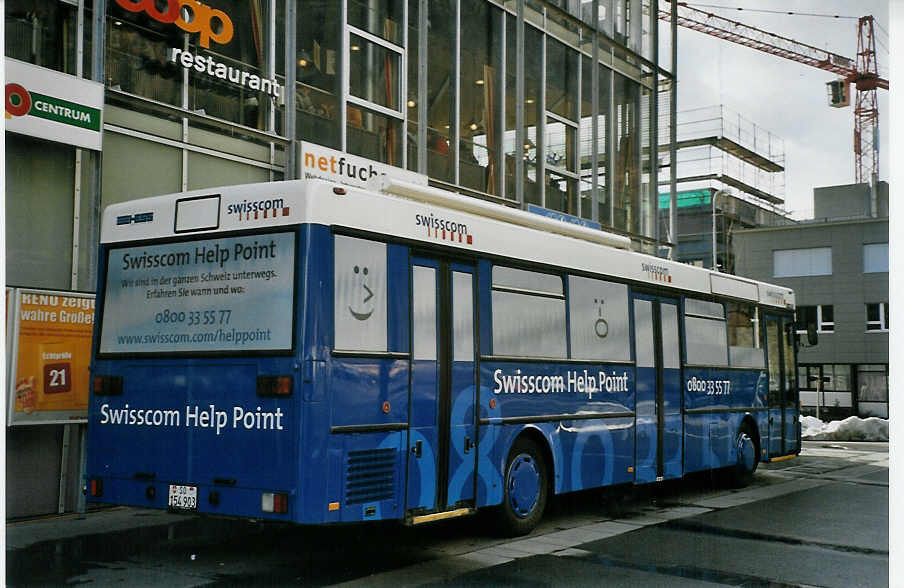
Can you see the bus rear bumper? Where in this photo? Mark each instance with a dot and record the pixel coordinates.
(211, 499)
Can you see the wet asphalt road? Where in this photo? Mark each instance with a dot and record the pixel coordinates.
(819, 520)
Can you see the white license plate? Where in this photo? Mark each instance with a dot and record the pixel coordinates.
(183, 497)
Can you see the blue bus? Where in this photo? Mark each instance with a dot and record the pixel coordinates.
(310, 352)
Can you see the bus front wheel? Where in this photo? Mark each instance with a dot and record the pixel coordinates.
(526, 489)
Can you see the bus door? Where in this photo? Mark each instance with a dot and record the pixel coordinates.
(442, 455)
(659, 426)
(782, 389)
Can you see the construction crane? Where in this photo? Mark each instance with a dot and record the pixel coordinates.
(863, 72)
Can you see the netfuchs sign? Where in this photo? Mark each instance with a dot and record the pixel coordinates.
(50, 105)
(323, 163)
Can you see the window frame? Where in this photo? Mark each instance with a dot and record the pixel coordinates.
(797, 273)
(883, 322)
(574, 345)
(383, 346)
(874, 271)
(107, 250)
(820, 323)
(705, 312)
(535, 293)
(738, 307)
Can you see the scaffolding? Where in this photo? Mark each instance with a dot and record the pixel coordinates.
(718, 148)
(730, 174)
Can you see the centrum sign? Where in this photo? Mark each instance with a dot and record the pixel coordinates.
(210, 24)
(21, 102)
(51, 105)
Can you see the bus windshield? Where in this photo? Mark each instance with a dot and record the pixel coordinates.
(230, 294)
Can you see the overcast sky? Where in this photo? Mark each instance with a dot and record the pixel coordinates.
(785, 97)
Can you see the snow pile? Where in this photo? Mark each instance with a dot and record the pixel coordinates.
(850, 429)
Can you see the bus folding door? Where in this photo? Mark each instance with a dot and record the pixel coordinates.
(659, 427)
(442, 427)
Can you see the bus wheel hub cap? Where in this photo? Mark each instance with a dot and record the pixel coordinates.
(524, 485)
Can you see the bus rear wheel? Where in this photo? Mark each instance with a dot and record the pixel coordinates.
(741, 474)
(526, 489)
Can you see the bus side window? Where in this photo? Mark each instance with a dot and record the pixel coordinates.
(528, 314)
(598, 314)
(773, 336)
(744, 348)
(705, 333)
(359, 294)
(791, 392)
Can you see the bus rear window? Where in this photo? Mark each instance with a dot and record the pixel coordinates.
(231, 294)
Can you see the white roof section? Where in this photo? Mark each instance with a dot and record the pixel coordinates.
(418, 213)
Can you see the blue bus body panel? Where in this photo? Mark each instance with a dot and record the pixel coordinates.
(673, 425)
(462, 460)
(368, 477)
(710, 436)
(792, 424)
(364, 471)
(647, 424)
(775, 432)
(422, 468)
(214, 432)
(368, 393)
(363, 389)
(586, 451)
(228, 441)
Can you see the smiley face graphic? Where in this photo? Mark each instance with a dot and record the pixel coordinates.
(364, 314)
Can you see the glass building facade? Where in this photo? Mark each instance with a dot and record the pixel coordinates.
(519, 102)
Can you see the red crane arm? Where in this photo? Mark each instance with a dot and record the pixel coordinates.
(736, 32)
(863, 73)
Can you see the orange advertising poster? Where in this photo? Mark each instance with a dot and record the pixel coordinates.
(52, 352)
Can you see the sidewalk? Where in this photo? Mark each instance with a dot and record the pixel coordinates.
(23, 534)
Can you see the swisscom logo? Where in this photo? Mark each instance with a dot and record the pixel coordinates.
(21, 102)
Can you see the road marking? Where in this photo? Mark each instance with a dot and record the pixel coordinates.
(782, 458)
(535, 546)
(757, 494)
(571, 552)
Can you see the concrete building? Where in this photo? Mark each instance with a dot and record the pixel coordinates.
(550, 104)
(708, 220)
(837, 265)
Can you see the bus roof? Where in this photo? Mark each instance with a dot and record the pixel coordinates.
(418, 213)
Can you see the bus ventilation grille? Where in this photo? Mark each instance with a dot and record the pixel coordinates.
(370, 475)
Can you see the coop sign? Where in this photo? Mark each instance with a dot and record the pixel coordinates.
(189, 15)
(211, 25)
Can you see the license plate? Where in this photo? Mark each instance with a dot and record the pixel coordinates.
(183, 497)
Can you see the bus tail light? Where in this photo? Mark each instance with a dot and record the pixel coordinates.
(275, 502)
(97, 487)
(274, 385)
(108, 385)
